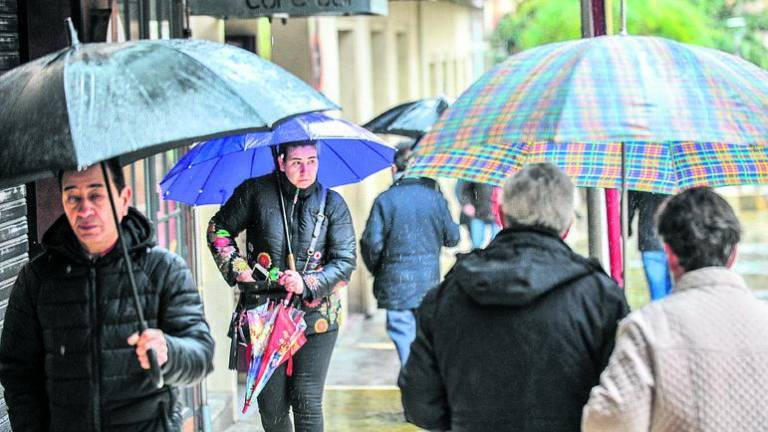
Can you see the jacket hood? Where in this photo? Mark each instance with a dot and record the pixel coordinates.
(136, 227)
(519, 266)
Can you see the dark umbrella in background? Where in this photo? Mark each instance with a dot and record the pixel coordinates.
(411, 119)
(92, 102)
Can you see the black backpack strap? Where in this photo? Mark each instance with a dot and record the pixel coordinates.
(319, 223)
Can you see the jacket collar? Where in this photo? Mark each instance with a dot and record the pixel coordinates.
(416, 180)
(289, 190)
(711, 277)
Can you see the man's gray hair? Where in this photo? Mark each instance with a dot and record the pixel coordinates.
(539, 195)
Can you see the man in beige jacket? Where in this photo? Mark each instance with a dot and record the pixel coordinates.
(698, 359)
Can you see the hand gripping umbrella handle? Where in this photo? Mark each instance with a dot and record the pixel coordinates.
(155, 374)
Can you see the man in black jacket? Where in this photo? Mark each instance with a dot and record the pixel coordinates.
(322, 266)
(518, 333)
(477, 211)
(70, 357)
(408, 225)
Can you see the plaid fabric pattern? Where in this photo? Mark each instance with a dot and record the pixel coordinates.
(652, 167)
(572, 103)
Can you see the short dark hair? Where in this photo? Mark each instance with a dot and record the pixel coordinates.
(700, 227)
(282, 149)
(403, 155)
(115, 174)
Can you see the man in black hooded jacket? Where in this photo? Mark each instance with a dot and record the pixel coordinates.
(518, 333)
(70, 357)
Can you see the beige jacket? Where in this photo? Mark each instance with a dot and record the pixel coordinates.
(694, 361)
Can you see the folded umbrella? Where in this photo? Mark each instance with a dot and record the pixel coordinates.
(285, 338)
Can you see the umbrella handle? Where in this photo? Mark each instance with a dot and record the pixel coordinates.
(154, 369)
(291, 261)
(155, 374)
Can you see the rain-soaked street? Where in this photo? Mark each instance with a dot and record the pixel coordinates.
(361, 394)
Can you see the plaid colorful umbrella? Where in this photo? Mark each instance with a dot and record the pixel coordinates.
(685, 115)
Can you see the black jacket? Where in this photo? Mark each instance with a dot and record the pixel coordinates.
(645, 205)
(64, 360)
(513, 339)
(408, 225)
(479, 195)
(255, 207)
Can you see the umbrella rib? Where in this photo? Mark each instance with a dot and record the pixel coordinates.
(176, 177)
(202, 186)
(218, 78)
(344, 161)
(253, 162)
(375, 150)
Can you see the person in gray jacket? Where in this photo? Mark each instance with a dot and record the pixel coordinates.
(696, 360)
(408, 225)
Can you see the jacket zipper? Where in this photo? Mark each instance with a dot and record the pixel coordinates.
(291, 224)
(96, 332)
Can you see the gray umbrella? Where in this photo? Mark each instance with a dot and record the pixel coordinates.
(92, 102)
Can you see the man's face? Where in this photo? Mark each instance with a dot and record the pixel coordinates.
(300, 165)
(86, 204)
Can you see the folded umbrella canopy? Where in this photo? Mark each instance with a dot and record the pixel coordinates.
(92, 102)
(210, 171)
(411, 119)
(276, 343)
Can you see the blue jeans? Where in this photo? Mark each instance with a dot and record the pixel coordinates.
(657, 273)
(477, 229)
(401, 328)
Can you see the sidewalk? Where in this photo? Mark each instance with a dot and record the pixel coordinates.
(361, 389)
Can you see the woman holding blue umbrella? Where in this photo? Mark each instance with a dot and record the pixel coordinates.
(319, 227)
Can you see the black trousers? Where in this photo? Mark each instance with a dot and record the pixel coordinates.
(303, 391)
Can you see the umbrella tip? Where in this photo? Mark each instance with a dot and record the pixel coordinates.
(73, 39)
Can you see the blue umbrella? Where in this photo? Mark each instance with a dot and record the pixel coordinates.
(210, 171)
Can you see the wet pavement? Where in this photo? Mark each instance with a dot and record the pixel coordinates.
(361, 392)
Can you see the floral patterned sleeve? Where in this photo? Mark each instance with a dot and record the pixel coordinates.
(231, 264)
(229, 221)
